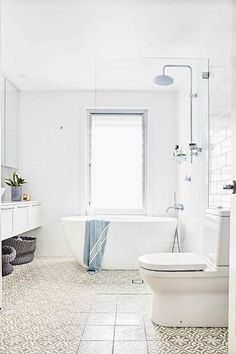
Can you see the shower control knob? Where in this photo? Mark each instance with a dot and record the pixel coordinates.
(231, 187)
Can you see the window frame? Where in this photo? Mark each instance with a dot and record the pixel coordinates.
(143, 114)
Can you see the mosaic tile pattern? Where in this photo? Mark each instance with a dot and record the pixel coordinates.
(52, 306)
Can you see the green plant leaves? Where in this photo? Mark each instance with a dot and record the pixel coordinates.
(9, 183)
(15, 181)
(14, 178)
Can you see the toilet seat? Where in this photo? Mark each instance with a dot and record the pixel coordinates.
(173, 262)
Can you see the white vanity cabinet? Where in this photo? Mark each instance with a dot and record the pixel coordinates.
(20, 219)
(6, 222)
(34, 216)
(17, 218)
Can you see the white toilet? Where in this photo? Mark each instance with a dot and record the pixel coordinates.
(192, 290)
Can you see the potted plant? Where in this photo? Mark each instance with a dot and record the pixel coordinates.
(16, 184)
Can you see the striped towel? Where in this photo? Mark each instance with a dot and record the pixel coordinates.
(94, 243)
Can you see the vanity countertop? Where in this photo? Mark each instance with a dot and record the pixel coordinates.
(15, 204)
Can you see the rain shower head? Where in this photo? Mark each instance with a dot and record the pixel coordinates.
(163, 80)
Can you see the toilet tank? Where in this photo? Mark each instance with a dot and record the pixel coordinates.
(217, 235)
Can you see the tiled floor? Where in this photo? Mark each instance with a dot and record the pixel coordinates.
(52, 306)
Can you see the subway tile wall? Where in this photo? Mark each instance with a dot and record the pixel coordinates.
(219, 135)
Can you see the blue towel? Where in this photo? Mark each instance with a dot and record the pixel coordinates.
(94, 243)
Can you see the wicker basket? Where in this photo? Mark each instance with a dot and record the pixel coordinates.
(25, 247)
(8, 256)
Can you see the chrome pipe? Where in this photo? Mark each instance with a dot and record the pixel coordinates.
(190, 95)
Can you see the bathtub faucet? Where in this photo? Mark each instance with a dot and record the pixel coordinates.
(175, 207)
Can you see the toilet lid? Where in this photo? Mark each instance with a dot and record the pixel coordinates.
(172, 262)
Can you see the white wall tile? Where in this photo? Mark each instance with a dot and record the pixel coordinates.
(216, 46)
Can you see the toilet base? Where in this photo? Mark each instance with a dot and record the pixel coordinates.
(190, 310)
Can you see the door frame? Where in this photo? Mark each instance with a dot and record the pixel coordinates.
(232, 270)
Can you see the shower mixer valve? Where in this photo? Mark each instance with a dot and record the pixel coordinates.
(194, 149)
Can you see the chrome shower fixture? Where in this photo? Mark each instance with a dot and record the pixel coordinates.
(163, 80)
(194, 149)
(166, 80)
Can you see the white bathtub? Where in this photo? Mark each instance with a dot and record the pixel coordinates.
(128, 238)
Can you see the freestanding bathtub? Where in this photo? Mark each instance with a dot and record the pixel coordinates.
(128, 238)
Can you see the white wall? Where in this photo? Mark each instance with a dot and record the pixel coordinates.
(50, 159)
(60, 54)
(52, 151)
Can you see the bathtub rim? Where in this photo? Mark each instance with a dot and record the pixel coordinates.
(120, 218)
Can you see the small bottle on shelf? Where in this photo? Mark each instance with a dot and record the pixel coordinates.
(176, 153)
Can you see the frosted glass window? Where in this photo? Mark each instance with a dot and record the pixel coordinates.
(117, 162)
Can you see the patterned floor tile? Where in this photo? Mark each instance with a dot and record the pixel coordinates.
(183, 340)
(42, 346)
(50, 304)
(184, 348)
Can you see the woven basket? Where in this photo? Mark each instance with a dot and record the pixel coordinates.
(8, 256)
(25, 247)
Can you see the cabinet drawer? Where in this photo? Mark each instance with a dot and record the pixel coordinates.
(20, 220)
(34, 216)
(6, 223)
(17, 219)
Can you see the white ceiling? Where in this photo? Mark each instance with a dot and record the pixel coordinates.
(62, 44)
